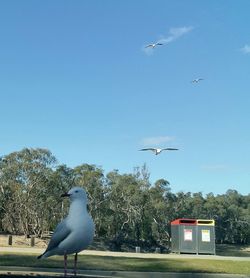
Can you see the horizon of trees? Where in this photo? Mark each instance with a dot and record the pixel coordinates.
(126, 208)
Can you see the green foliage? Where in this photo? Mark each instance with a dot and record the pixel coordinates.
(127, 208)
(24, 181)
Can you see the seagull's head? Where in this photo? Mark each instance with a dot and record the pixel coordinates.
(76, 193)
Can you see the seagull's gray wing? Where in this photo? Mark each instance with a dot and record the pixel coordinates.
(159, 43)
(149, 45)
(148, 149)
(60, 233)
(170, 149)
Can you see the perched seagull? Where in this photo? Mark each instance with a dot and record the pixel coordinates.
(158, 151)
(74, 233)
(153, 45)
(197, 80)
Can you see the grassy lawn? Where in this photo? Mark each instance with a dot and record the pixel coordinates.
(233, 250)
(132, 264)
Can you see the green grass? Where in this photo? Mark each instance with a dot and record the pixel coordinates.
(132, 264)
(233, 250)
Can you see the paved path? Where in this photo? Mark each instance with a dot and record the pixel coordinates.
(37, 251)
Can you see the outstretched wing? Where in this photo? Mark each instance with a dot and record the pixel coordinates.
(149, 45)
(197, 80)
(170, 149)
(148, 149)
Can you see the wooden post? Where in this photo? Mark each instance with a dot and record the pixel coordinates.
(32, 241)
(158, 250)
(10, 240)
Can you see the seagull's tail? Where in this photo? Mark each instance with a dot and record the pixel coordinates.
(39, 257)
(43, 255)
(46, 254)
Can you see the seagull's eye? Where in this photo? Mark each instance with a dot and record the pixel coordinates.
(76, 191)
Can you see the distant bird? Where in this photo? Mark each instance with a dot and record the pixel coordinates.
(157, 150)
(153, 45)
(197, 80)
(75, 232)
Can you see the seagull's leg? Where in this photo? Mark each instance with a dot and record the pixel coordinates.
(75, 264)
(65, 264)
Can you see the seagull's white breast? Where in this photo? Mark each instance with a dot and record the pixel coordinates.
(82, 229)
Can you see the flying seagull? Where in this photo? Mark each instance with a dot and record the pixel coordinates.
(153, 45)
(197, 80)
(158, 151)
(74, 233)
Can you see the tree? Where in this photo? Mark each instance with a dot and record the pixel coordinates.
(160, 212)
(92, 179)
(24, 178)
(127, 208)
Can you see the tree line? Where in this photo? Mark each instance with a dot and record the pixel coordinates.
(126, 208)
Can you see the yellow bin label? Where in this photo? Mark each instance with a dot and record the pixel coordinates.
(205, 235)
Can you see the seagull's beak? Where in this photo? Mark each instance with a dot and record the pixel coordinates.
(65, 195)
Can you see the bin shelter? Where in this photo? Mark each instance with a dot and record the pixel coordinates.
(206, 236)
(184, 236)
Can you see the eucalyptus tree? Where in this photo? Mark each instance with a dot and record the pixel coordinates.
(196, 205)
(236, 220)
(181, 205)
(121, 212)
(24, 181)
(160, 211)
(127, 198)
(91, 177)
(55, 207)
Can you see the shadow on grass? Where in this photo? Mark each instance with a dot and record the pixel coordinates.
(88, 262)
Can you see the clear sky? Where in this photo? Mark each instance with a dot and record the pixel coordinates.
(75, 78)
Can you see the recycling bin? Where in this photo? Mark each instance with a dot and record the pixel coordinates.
(206, 236)
(184, 236)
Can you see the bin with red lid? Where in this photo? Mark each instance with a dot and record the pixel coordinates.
(184, 236)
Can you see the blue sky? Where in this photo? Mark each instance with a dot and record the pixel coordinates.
(75, 78)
